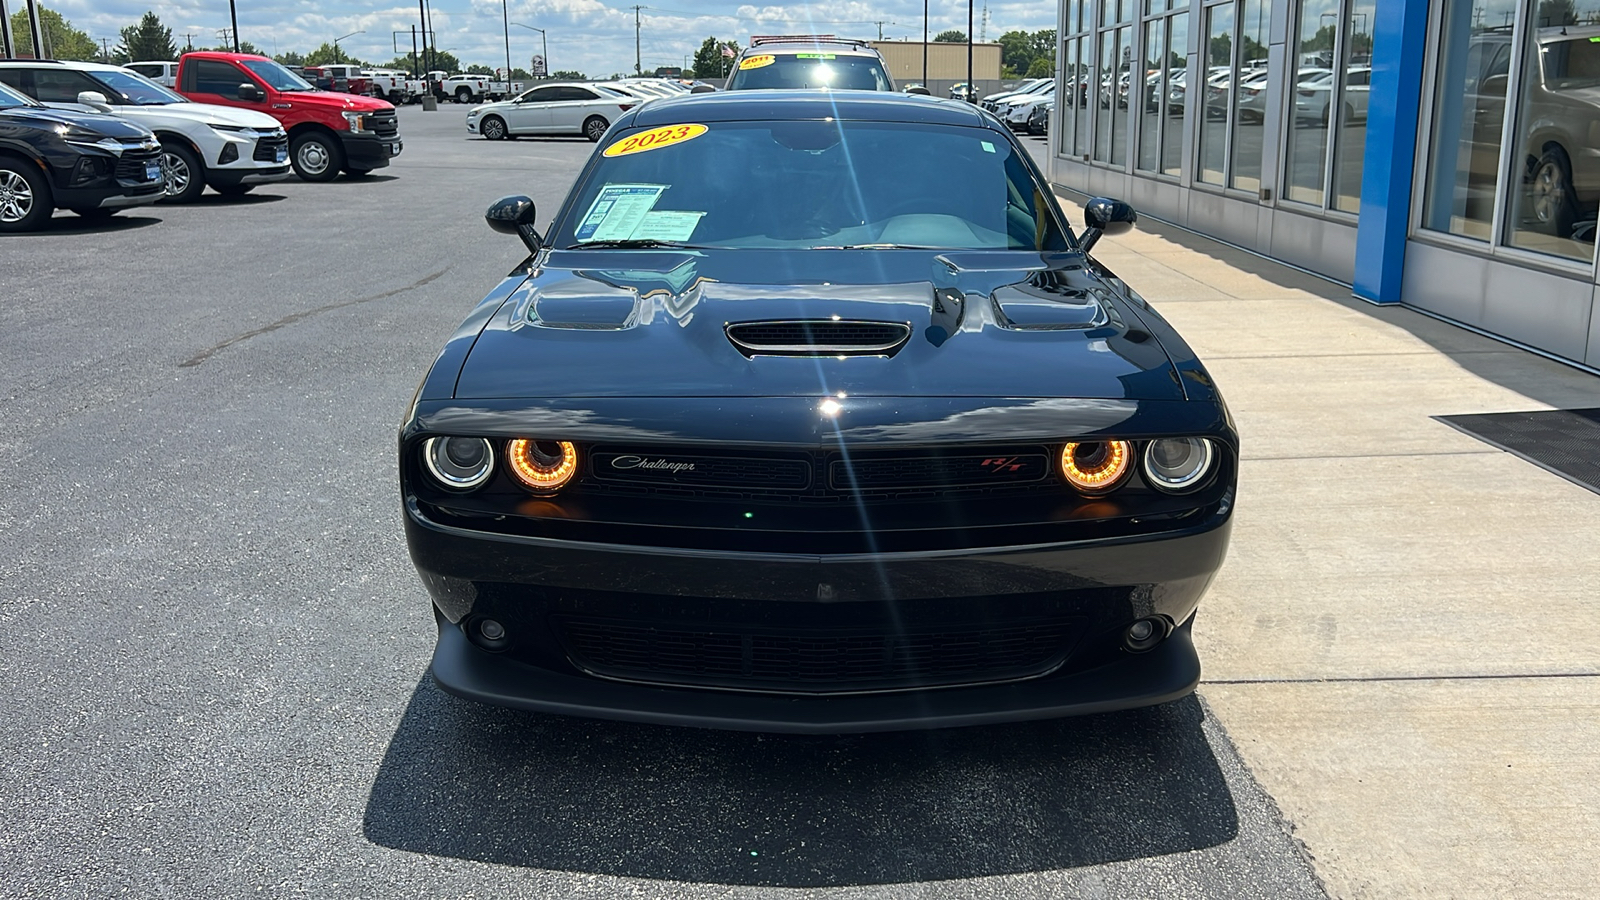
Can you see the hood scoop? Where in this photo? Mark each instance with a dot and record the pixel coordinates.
(818, 337)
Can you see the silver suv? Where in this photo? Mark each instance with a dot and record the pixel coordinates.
(809, 61)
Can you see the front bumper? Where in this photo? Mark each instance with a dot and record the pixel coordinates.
(1091, 589)
(108, 197)
(370, 151)
(230, 177)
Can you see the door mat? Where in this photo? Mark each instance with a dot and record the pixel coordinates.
(1564, 441)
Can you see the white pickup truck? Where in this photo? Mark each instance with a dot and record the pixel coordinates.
(476, 88)
(392, 85)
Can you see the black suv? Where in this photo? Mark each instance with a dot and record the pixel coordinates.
(91, 164)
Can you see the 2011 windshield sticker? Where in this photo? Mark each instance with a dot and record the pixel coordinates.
(655, 139)
(756, 62)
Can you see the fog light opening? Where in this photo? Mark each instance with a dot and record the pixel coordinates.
(488, 634)
(1146, 633)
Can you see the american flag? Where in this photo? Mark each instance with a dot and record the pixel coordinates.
(727, 51)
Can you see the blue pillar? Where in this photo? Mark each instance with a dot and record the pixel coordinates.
(1399, 37)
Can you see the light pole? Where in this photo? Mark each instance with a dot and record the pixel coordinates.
(544, 46)
(339, 57)
(506, 27)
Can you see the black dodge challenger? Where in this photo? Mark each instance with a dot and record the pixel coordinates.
(810, 413)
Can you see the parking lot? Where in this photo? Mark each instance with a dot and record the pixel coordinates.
(216, 649)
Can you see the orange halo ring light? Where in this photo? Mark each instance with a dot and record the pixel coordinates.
(543, 467)
(1095, 467)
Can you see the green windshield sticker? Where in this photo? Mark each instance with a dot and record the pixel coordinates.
(1594, 40)
(814, 56)
(987, 147)
(618, 211)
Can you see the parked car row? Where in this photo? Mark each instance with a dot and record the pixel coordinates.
(95, 139)
(586, 109)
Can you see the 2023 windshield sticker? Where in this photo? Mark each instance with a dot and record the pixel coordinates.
(655, 139)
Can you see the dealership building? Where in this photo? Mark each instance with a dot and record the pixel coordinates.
(1443, 154)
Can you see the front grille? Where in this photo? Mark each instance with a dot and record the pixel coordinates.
(267, 148)
(815, 477)
(385, 123)
(817, 337)
(132, 169)
(814, 660)
(868, 474)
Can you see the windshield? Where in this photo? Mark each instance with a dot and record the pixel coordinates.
(1571, 64)
(10, 98)
(810, 70)
(277, 77)
(810, 184)
(137, 89)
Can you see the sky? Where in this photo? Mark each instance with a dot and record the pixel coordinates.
(587, 35)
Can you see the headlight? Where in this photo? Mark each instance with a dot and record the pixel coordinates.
(357, 121)
(543, 467)
(1096, 467)
(459, 463)
(1178, 464)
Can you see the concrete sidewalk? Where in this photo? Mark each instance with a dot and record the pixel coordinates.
(1400, 643)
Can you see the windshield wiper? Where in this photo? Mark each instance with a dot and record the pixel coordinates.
(634, 244)
(880, 247)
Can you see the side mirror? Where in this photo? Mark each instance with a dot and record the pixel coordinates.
(514, 215)
(250, 93)
(1105, 216)
(919, 89)
(702, 89)
(95, 100)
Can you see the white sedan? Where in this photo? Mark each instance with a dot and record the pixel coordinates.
(585, 109)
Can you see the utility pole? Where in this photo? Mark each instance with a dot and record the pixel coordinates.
(188, 40)
(924, 43)
(33, 25)
(234, 13)
(970, 91)
(637, 69)
(8, 49)
(105, 50)
(505, 23)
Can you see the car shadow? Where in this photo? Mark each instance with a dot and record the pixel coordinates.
(250, 199)
(475, 782)
(72, 223)
(346, 178)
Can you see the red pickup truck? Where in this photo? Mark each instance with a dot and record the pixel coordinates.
(328, 132)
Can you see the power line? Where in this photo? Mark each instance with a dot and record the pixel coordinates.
(637, 69)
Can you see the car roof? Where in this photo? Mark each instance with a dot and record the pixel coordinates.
(837, 46)
(792, 105)
(74, 65)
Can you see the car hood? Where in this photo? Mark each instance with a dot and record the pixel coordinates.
(599, 323)
(202, 114)
(108, 126)
(335, 100)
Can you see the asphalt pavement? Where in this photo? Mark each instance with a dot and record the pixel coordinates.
(215, 649)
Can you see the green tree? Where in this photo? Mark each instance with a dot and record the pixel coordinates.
(148, 40)
(291, 58)
(478, 69)
(1016, 51)
(951, 37)
(709, 61)
(328, 53)
(1041, 68)
(571, 75)
(60, 39)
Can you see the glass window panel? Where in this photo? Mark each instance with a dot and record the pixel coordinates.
(1555, 162)
(1314, 88)
(1469, 111)
(1121, 87)
(1217, 75)
(1108, 12)
(1352, 141)
(1250, 94)
(1150, 113)
(1082, 94)
(1177, 74)
(1104, 93)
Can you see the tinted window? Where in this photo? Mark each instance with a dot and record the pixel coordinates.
(8, 96)
(813, 70)
(539, 95)
(13, 78)
(62, 85)
(147, 71)
(574, 93)
(818, 184)
(128, 88)
(212, 77)
(274, 75)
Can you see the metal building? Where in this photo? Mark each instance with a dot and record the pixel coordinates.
(1444, 154)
